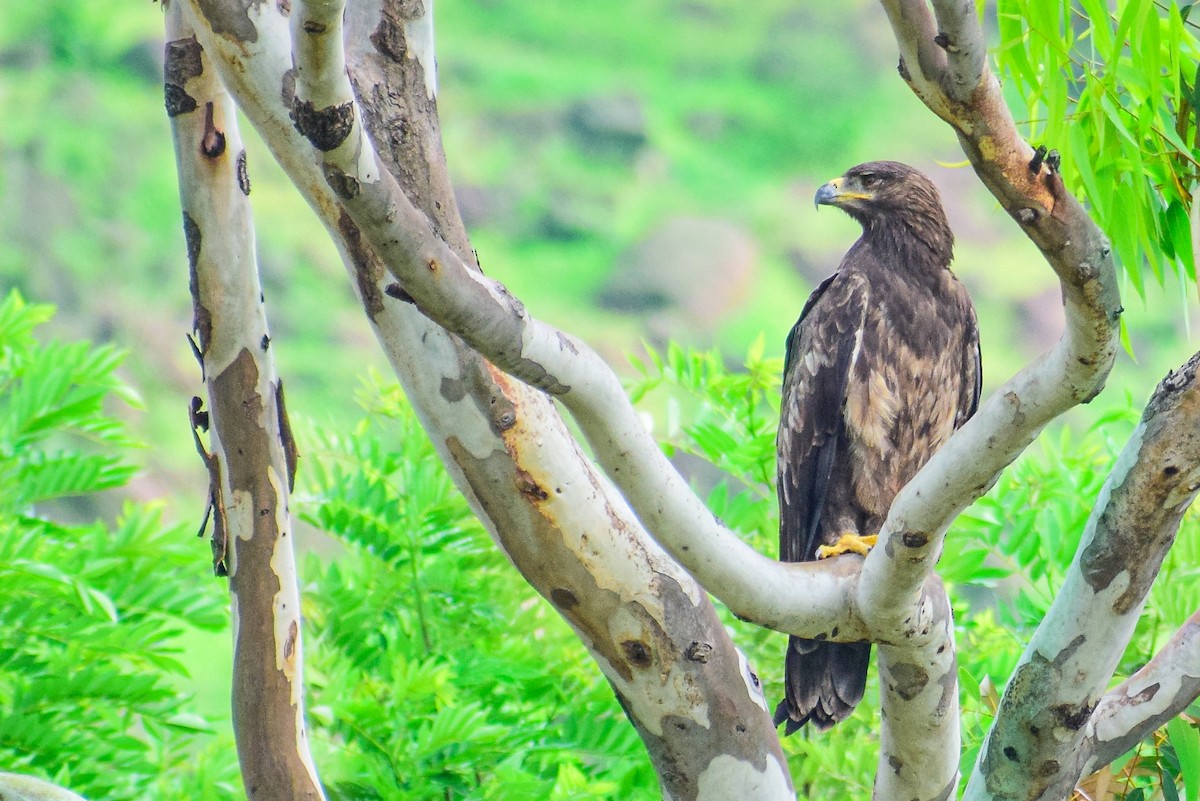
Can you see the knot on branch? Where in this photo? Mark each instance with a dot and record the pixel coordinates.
(943, 41)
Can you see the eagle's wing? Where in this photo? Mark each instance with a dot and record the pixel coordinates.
(821, 350)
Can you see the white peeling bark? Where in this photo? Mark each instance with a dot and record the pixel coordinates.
(1145, 701)
(251, 457)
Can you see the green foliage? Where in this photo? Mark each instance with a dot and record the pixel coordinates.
(434, 671)
(727, 418)
(1114, 90)
(90, 650)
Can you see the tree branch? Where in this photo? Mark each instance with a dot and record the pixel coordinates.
(1044, 713)
(1073, 371)
(252, 460)
(919, 737)
(18, 787)
(1146, 701)
(966, 51)
(647, 623)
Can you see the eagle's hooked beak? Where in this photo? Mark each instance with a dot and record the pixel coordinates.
(834, 193)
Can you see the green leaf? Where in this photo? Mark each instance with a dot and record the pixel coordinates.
(1186, 742)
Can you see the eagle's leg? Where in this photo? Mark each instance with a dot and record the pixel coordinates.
(849, 542)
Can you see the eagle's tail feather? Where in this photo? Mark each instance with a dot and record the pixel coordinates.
(823, 682)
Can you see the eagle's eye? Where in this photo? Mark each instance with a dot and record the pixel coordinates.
(870, 180)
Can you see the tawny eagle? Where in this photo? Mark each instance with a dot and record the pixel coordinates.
(882, 367)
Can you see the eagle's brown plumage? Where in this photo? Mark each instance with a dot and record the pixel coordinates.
(882, 366)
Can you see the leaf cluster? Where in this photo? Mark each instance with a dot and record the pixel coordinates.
(1114, 89)
(433, 669)
(90, 650)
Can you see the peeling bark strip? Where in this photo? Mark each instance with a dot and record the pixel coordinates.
(243, 174)
(290, 451)
(215, 510)
(201, 316)
(368, 271)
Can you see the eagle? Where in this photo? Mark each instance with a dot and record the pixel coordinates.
(881, 368)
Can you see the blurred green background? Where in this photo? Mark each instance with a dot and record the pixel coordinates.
(634, 171)
(631, 170)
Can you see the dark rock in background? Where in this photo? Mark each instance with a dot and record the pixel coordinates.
(694, 269)
(608, 126)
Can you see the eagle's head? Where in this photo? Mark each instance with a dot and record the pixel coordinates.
(895, 202)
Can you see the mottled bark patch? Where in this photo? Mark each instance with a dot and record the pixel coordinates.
(452, 389)
(1018, 418)
(908, 679)
(394, 290)
(1147, 694)
(1029, 725)
(326, 128)
(287, 88)
(563, 599)
(343, 185)
(534, 374)
(231, 17)
(949, 682)
(181, 63)
(698, 652)
(177, 101)
(367, 270)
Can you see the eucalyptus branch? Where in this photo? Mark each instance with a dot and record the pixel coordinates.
(252, 460)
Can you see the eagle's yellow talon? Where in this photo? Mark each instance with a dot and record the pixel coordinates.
(848, 543)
